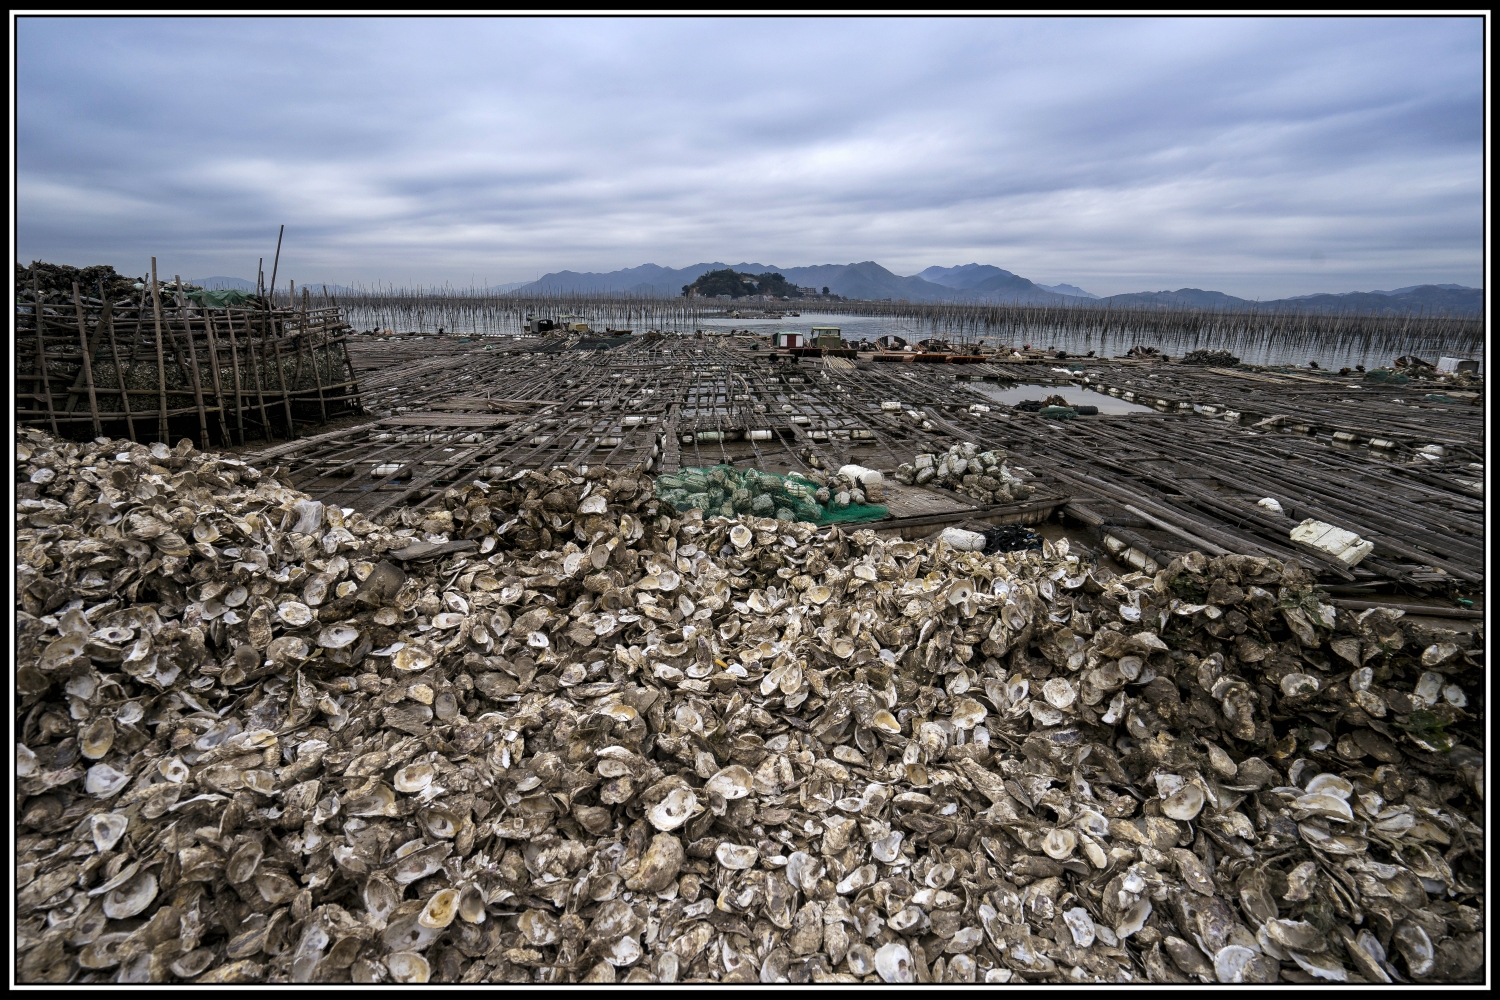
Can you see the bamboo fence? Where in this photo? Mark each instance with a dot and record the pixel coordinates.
(155, 366)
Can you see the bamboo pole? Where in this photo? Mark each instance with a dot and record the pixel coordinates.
(41, 349)
(260, 395)
(275, 264)
(312, 353)
(234, 362)
(163, 434)
(88, 367)
(213, 369)
(286, 399)
(193, 357)
(107, 319)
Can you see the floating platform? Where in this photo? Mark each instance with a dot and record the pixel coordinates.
(1385, 462)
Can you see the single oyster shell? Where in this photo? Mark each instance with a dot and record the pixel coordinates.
(471, 905)
(1295, 935)
(440, 909)
(294, 613)
(103, 781)
(129, 899)
(1059, 843)
(1080, 925)
(1330, 784)
(412, 657)
(1296, 685)
(1059, 693)
(1325, 804)
(893, 963)
(1415, 947)
(1321, 966)
(732, 782)
(407, 967)
(96, 738)
(675, 808)
(338, 636)
(287, 649)
(1232, 963)
(968, 713)
(379, 801)
(244, 863)
(887, 848)
(736, 857)
(414, 777)
(107, 829)
(1185, 803)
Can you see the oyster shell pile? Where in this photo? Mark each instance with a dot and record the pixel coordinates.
(966, 468)
(259, 740)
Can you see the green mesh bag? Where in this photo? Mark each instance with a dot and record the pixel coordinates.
(728, 490)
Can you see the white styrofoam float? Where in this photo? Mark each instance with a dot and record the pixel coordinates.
(1345, 546)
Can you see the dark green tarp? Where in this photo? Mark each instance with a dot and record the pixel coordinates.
(221, 298)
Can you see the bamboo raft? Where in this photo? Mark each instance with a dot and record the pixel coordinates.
(150, 368)
(1148, 486)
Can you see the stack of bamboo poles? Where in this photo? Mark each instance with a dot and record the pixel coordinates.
(145, 368)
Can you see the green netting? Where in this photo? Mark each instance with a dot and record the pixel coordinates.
(1378, 375)
(1058, 412)
(731, 491)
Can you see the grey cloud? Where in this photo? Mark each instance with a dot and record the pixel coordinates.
(1114, 154)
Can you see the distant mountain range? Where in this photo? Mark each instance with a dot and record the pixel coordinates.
(976, 283)
(984, 283)
(1454, 299)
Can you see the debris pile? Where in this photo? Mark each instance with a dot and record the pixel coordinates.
(965, 469)
(547, 731)
(1217, 359)
(1010, 538)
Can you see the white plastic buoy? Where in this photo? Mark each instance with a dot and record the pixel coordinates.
(1271, 504)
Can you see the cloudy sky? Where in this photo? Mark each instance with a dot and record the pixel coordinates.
(1258, 157)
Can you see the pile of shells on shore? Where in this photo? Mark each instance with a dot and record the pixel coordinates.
(545, 733)
(966, 468)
